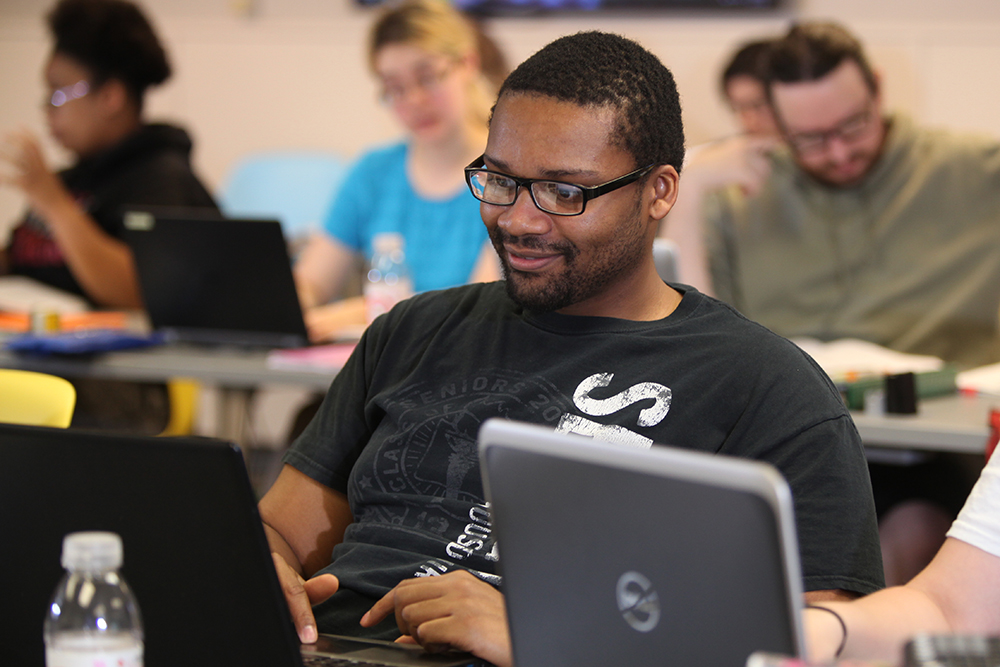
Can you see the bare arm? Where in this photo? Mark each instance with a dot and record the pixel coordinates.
(322, 270)
(959, 592)
(829, 595)
(736, 160)
(487, 267)
(102, 264)
(303, 521)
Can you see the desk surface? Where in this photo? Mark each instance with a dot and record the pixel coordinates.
(955, 423)
(226, 366)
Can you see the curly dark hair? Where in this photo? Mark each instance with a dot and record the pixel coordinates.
(113, 39)
(602, 69)
(811, 50)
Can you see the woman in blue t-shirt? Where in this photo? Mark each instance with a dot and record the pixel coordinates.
(427, 58)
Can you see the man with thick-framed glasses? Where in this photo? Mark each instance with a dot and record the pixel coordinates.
(580, 166)
(868, 227)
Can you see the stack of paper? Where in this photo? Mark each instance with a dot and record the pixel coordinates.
(985, 379)
(22, 294)
(849, 359)
(317, 359)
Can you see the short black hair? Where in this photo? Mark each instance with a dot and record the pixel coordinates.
(749, 60)
(811, 50)
(113, 39)
(601, 69)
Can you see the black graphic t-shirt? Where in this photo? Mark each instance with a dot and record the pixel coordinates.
(397, 430)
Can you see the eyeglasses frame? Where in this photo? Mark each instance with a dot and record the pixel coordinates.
(868, 116)
(69, 93)
(589, 191)
(432, 80)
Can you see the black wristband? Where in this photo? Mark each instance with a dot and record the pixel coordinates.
(843, 626)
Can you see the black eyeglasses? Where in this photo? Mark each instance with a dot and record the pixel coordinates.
(555, 197)
(854, 128)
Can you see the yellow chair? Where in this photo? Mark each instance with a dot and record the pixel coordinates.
(35, 399)
(183, 397)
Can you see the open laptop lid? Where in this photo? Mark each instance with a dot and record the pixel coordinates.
(664, 556)
(194, 548)
(195, 553)
(210, 279)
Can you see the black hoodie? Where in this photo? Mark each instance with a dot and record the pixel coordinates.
(151, 167)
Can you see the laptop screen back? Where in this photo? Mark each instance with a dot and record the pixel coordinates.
(194, 549)
(209, 279)
(613, 555)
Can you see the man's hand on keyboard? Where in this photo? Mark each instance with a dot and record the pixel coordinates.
(453, 611)
(301, 594)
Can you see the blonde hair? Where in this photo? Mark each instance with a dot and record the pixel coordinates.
(437, 27)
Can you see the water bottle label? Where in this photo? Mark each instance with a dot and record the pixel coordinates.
(94, 652)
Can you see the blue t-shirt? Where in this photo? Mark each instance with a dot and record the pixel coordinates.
(443, 236)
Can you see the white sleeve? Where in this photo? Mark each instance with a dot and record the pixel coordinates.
(979, 521)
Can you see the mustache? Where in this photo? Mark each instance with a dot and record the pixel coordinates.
(501, 238)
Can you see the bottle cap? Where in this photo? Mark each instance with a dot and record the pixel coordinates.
(94, 550)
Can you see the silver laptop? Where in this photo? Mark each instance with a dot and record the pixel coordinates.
(618, 556)
(194, 550)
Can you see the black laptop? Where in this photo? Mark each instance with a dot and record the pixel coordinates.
(195, 554)
(208, 279)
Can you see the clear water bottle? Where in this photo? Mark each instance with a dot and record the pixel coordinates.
(388, 281)
(93, 619)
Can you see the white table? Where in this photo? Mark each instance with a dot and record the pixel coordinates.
(236, 371)
(954, 423)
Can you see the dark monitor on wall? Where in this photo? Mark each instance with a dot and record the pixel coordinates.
(541, 7)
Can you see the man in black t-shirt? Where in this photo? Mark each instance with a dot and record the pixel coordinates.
(378, 517)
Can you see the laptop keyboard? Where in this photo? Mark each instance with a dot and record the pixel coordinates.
(333, 661)
(953, 651)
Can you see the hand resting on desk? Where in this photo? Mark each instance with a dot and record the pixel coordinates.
(340, 319)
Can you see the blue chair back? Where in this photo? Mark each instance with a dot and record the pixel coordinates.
(295, 187)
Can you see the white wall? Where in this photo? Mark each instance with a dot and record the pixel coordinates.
(257, 74)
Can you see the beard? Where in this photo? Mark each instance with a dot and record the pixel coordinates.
(578, 280)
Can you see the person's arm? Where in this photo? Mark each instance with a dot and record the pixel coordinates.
(739, 160)
(487, 267)
(828, 595)
(959, 592)
(303, 521)
(322, 269)
(321, 272)
(453, 611)
(102, 264)
(345, 317)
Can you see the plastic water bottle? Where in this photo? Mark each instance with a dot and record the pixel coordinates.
(93, 620)
(388, 281)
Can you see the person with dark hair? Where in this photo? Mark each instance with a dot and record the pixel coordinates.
(738, 160)
(378, 516)
(742, 85)
(105, 56)
(868, 227)
(855, 209)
